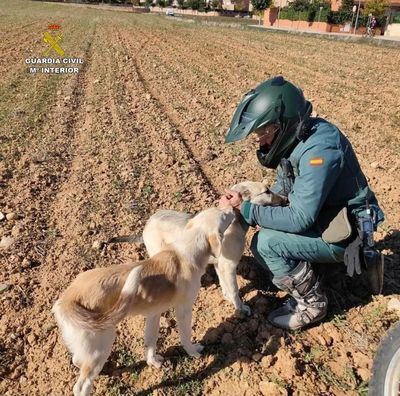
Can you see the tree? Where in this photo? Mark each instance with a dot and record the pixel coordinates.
(376, 7)
(259, 6)
(299, 5)
(347, 5)
(181, 3)
(199, 5)
(216, 4)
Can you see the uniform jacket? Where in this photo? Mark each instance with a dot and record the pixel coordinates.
(327, 175)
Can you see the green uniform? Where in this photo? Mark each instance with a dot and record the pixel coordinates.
(326, 175)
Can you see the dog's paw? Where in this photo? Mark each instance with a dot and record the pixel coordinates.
(155, 360)
(194, 350)
(243, 311)
(76, 362)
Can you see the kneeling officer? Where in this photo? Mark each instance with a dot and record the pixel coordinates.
(331, 212)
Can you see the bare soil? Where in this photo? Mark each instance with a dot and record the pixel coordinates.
(141, 127)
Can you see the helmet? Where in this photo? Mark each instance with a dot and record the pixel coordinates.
(275, 101)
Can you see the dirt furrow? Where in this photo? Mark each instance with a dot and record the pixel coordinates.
(30, 198)
(197, 118)
(172, 138)
(190, 82)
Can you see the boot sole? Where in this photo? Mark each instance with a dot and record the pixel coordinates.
(305, 327)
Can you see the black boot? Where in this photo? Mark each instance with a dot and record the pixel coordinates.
(308, 303)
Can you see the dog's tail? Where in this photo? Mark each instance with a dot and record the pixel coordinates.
(127, 238)
(83, 318)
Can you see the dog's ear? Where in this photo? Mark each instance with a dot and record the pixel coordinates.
(246, 194)
(266, 184)
(215, 241)
(263, 199)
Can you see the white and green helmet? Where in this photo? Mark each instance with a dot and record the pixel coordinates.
(275, 101)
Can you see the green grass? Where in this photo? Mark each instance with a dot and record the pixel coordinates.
(329, 378)
(147, 190)
(316, 352)
(177, 376)
(177, 196)
(126, 358)
(339, 320)
(374, 315)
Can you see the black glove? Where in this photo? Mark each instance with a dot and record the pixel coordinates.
(352, 257)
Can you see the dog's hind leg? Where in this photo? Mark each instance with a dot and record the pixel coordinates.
(227, 278)
(89, 371)
(95, 349)
(184, 319)
(150, 341)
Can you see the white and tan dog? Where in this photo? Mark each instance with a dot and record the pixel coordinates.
(88, 311)
(165, 226)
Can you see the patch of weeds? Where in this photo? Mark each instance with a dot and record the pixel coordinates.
(350, 377)
(177, 196)
(330, 379)
(384, 227)
(121, 389)
(118, 184)
(277, 380)
(52, 233)
(192, 388)
(297, 334)
(236, 150)
(179, 385)
(147, 190)
(339, 320)
(88, 257)
(214, 133)
(134, 376)
(374, 315)
(125, 358)
(180, 108)
(136, 172)
(362, 389)
(315, 353)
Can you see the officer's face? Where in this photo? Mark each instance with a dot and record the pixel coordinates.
(265, 135)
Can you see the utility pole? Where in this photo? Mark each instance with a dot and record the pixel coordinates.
(354, 11)
(279, 11)
(358, 13)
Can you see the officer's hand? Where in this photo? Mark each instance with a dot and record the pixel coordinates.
(235, 198)
(223, 202)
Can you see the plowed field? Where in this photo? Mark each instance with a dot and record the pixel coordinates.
(88, 156)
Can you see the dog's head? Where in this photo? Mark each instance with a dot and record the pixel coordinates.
(255, 192)
(213, 222)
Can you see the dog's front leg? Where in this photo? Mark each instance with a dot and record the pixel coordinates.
(150, 341)
(184, 318)
(227, 278)
(221, 279)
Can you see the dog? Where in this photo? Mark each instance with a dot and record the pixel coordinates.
(166, 225)
(88, 311)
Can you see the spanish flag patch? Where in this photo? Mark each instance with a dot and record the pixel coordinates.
(317, 161)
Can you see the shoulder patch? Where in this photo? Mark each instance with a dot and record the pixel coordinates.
(317, 161)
